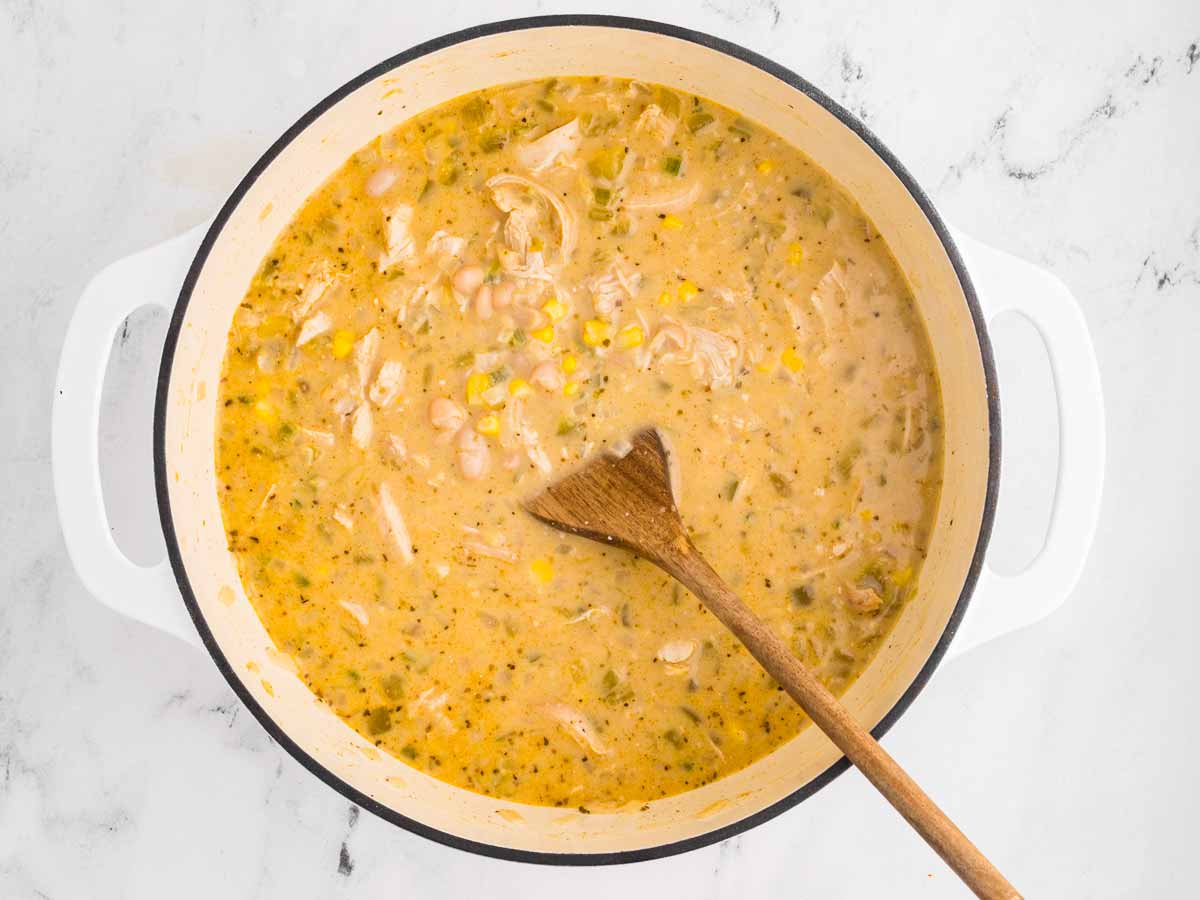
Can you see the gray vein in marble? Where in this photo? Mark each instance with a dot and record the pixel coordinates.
(1167, 275)
(1117, 100)
(345, 865)
(743, 11)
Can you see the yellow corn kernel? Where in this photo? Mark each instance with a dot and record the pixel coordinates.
(265, 410)
(477, 383)
(673, 222)
(343, 343)
(542, 569)
(866, 515)
(631, 336)
(519, 387)
(792, 360)
(571, 389)
(596, 332)
(545, 335)
(901, 577)
(489, 425)
(665, 298)
(795, 253)
(765, 167)
(688, 291)
(570, 362)
(555, 309)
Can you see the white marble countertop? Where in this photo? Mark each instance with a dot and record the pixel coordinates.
(1067, 133)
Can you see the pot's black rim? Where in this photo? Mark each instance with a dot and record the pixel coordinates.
(160, 464)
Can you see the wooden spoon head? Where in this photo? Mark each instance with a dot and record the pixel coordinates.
(625, 500)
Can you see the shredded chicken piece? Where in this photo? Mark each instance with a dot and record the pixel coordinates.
(507, 203)
(611, 289)
(731, 298)
(355, 610)
(341, 515)
(798, 320)
(446, 246)
(862, 599)
(669, 201)
(711, 355)
(657, 124)
(394, 523)
(388, 383)
(620, 449)
(366, 350)
(829, 296)
(519, 432)
(268, 496)
(669, 333)
(446, 415)
(315, 290)
(381, 180)
(516, 231)
(528, 266)
(589, 614)
(400, 243)
(362, 426)
(313, 327)
(555, 146)
(713, 744)
(396, 447)
(420, 303)
(547, 375)
(431, 701)
(578, 727)
(479, 548)
(324, 438)
(344, 395)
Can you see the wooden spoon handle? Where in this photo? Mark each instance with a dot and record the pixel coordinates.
(687, 565)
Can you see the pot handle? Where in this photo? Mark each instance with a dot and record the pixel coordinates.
(146, 593)
(1005, 603)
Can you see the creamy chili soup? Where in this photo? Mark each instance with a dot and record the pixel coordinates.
(480, 299)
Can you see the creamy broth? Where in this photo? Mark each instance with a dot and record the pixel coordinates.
(480, 299)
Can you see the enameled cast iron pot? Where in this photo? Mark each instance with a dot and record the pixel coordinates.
(215, 262)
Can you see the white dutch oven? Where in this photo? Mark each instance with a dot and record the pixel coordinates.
(214, 264)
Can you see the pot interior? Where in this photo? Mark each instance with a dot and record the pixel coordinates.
(264, 205)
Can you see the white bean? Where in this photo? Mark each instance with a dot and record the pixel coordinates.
(446, 415)
(529, 318)
(468, 279)
(547, 375)
(483, 302)
(474, 457)
(502, 295)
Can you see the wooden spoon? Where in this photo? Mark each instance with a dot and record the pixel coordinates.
(627, 500)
